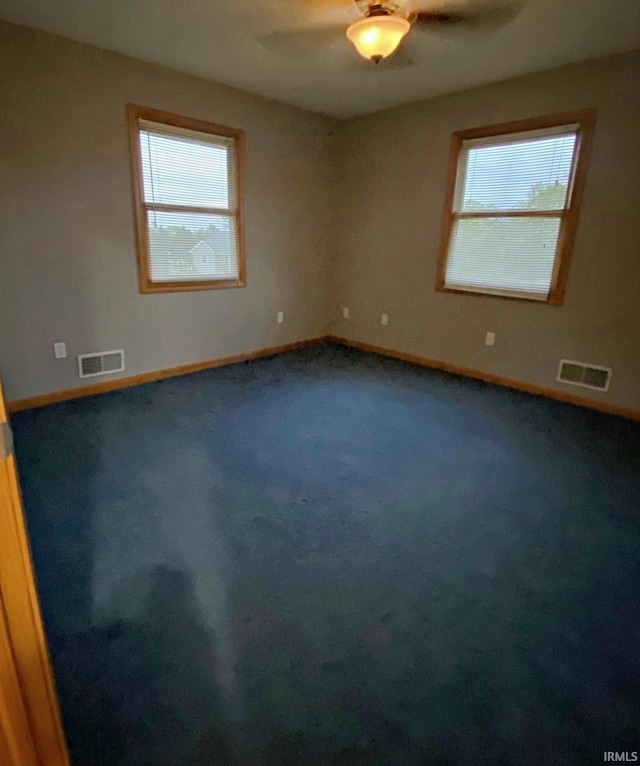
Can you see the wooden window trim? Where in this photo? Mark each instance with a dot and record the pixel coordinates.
(569, 216)
(136, 113)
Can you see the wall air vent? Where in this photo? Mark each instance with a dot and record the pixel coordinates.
(101, 363)
(585, 375)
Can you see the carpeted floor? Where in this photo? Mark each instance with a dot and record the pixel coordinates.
(329, 557)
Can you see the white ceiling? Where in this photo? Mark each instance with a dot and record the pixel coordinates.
(231, 41)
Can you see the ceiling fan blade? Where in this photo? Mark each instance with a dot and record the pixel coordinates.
(478, 14)
(297, 44)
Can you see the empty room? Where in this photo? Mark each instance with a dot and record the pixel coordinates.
(320, 363)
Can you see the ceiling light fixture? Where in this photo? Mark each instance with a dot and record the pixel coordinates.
(378, 35)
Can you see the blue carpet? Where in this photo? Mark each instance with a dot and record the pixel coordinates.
(329, 557)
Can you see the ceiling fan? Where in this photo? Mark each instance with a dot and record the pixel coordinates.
(384, 24)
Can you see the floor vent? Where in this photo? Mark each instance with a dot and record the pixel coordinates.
(102, 363)
(585, 375)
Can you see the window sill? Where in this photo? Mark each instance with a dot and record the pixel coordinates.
(549, 300)
(180, 287)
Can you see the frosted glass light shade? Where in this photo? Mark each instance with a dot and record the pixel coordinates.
(377, 37)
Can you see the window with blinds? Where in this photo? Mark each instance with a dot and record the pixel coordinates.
(512, 206)
(187, 191)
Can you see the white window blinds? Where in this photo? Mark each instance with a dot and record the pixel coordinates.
(510, 196)
(191, 203)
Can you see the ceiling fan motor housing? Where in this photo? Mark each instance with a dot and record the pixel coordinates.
(377, 9)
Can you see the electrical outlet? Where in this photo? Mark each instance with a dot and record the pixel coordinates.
(280, 317)
(490, 339)
(384, 319)
(60, 350)
(345, 313)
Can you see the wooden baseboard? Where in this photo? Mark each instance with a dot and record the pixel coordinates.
(529, 388)
(150, 377)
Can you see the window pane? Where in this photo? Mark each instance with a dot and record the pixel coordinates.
(181, 171)
(192, 247)
(510, 254)
(532, 174)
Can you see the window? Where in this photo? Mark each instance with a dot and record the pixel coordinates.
(187, 185)
(512, 207)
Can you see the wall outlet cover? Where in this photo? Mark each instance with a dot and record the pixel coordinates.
(60, 350)
(490, 339)
(345, 312)
(384, 319)
(280, 317)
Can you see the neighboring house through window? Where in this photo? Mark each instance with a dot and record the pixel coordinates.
(187, 177)
(512, 207)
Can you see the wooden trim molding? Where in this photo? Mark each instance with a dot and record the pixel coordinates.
(24, 622)
(17, 747)
(530, 388)
(149, 377)
(21, 623)
(136, 113)
(568, 216)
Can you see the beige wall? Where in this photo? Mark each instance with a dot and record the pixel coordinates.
(338, 214)
(393, 175)
(67, 260)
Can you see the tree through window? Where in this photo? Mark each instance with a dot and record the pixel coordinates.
(188, 202)
(512, 205)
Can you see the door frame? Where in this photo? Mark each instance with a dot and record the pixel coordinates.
(17, 747)
(26, 644)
